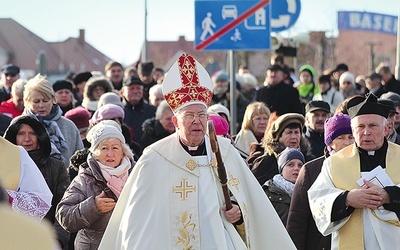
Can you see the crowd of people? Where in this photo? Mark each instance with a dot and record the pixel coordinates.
(127, 160)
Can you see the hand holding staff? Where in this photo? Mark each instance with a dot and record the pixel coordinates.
(220, 164)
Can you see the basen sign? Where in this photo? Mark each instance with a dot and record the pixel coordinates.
(367, 21)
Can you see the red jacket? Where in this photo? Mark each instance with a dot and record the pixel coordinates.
(8, 108)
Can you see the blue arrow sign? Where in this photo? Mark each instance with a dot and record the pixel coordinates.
(232, 25)
(284, 14)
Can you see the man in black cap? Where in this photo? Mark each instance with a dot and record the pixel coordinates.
(391, 134)
(361, 213)
(145, 71)
(9, 74)
(278, 96)
(136, 109)
(316, 114)
(374, 85)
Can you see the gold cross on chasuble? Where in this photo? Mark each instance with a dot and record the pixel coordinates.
(184, 189)
(233, 181)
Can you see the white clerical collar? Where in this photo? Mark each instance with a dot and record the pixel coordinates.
(371, 153)
(193, 148)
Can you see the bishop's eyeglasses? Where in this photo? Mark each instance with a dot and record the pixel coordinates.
(189, 117)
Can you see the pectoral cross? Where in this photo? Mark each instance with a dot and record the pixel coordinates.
(184, 189)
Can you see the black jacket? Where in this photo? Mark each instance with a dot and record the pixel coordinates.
(317, 141)
(279, 199)
(135, 115)
(392, 85)
(280, 98)
(300, 224)
(53, 170)
(152, 132)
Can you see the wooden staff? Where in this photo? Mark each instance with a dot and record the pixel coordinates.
(220, 164)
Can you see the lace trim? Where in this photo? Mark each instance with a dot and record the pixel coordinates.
(29, 204)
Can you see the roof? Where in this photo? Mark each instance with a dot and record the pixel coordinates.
(20, 46)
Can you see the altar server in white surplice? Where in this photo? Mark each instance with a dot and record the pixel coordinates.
(173, 198)
(366, 216)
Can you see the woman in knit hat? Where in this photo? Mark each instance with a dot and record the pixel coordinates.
(338, 135)
(64, 95)
(286, 131)
(347, 85)
(279, 189)
(93, 193)
(116, 113)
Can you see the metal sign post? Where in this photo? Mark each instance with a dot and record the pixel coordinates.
(232, 73)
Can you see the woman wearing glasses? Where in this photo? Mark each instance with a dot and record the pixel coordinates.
(253, 127)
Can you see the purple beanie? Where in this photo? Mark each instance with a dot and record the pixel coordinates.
(107, 112)
(287, 155)
(335, 126)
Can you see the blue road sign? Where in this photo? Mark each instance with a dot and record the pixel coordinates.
(232, 25)
(284, 14)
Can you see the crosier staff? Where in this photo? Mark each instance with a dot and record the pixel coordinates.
(220, 164)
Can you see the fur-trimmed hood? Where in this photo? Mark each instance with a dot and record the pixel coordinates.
(273, 147)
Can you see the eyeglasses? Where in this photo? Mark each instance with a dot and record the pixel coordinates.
(11, 75)
(259, 119)
(189, 117)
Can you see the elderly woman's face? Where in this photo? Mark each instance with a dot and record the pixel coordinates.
(342, 141)
(27, 138)
(40, 104)
(63, 97)
(290, 137)
(110, 152)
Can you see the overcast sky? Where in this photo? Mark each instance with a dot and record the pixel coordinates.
(116, 28)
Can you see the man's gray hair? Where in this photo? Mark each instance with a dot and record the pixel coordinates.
(353, 122)
(18, 87)
(156, 89)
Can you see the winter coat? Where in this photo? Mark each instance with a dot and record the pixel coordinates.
(52, 169)
(332, 97)
(241, 105)
(279, 199)
(266, 165)
(152, 132)
(8, 108)
(77, 211)
(135, 115)
(281, 98)
(300, 224)
(392, 85)
(317, 141)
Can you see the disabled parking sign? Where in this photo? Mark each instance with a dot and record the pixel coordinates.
(232, 25)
